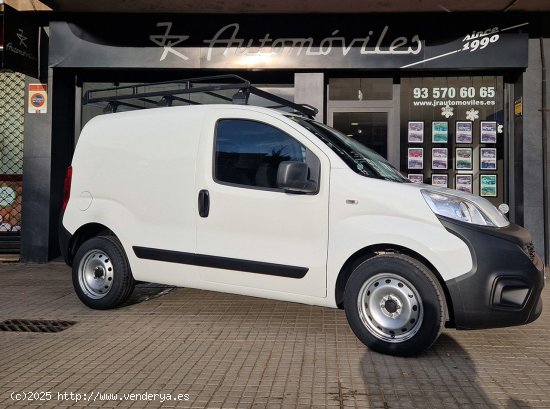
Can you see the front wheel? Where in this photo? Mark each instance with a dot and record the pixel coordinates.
(101, 273)
(394, 305)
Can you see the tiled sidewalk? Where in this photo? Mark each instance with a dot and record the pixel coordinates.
(227, 351)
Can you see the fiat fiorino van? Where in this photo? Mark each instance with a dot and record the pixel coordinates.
(264, 203)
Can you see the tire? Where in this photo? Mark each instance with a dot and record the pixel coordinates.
(102, 277)
(394, 305)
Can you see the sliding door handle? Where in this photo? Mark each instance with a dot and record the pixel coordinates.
(204, 203)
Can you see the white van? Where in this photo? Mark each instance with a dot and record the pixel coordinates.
(259, 202)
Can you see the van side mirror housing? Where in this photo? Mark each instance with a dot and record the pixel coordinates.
(292, 176)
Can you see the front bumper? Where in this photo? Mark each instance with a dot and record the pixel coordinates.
(505, 283)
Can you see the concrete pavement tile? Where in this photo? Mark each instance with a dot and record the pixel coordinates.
(228, 351)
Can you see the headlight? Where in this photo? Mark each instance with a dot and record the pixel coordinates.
(456, 207)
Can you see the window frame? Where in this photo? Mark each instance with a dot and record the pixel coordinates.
(261, 188)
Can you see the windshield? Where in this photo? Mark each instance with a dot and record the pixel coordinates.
(357, 156)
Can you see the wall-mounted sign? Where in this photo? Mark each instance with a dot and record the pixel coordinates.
(262, 41)
(38, 99)
(20, 35)
(467, 138)
(518, 107)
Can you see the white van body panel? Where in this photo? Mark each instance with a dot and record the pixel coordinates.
(139, 189)
(194, 195)
(149, 199)
(254, 224)
(367, 212)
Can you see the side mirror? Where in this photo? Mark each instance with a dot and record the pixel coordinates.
(292, 176)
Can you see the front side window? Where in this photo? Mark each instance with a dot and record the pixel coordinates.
(249, 153)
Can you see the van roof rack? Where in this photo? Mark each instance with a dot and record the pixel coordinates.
(171, 91)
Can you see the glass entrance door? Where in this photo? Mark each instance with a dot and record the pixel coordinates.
(366, 109)
(369, 128)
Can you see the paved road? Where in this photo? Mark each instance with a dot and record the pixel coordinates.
(212, 350)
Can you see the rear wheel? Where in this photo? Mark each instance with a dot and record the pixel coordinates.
(102, 277)
(394, 305)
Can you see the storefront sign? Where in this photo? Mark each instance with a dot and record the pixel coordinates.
(455, 96)
(20, 36)
(38, 99)
(248, 42)
(226, 40)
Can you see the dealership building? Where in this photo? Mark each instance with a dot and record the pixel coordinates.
(453, 95)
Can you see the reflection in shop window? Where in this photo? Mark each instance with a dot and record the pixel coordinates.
(12, 96)
(360, 89)
(369, 128)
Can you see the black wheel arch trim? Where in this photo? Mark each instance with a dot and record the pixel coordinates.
(70, 243)
(65, 242)
(372, 251)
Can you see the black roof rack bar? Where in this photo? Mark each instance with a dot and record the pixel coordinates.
(184, 100)
(219, 96)
(304, 109)
(167, 100)
(113, 106)
(127, 104)
(188, 82)
(238, 82)
(149, 101)
(137, 95)
(242, 86)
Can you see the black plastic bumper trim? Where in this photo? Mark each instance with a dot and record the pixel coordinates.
(64, 240)
(504, 286)
(248, 266)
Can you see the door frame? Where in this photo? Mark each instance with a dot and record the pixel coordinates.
(391, 106)
(372, 106)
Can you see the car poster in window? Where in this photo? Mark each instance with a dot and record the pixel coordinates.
(464, 158)
(488, 132)
(488, 159)
(488, 185)
(439, 180)
(463, 132)
(416, 132)
(416, 158)
(463, 183)
(416, 177)
(439, 158)
(440, 131)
